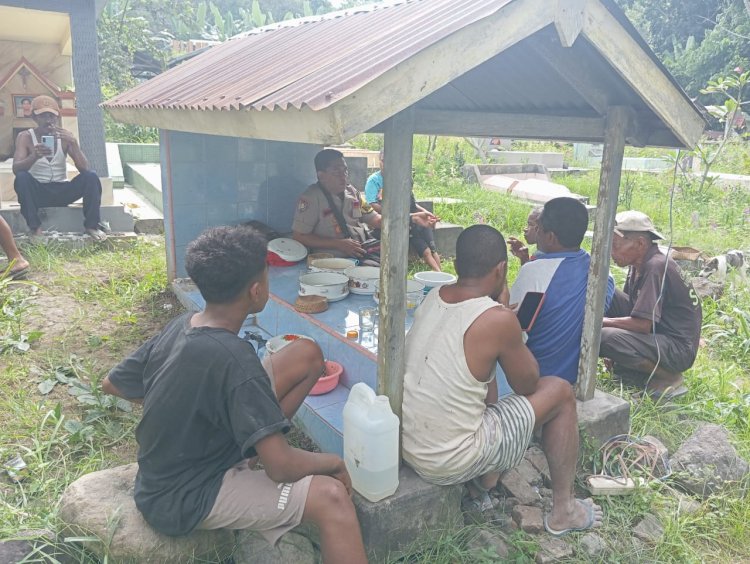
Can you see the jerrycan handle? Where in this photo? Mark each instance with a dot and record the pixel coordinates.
(362, 394)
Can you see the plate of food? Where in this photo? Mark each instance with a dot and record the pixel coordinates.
(275, 344)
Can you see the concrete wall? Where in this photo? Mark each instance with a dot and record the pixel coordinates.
(53, 65)
(210, 180)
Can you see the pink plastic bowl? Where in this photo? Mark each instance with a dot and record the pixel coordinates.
(328, 382)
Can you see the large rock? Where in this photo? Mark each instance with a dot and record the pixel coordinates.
(101, 505)
(707, 463)
(295, 547)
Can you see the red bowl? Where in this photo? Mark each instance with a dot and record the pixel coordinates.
(329, 381)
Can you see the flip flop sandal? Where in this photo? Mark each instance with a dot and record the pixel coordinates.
(19, 274)
(484, 501)
(562, 532)
(663, 395)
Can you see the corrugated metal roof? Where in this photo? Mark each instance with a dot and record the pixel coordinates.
(308, 64)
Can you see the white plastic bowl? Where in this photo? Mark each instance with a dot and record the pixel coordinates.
(331, 265)
(434, 279)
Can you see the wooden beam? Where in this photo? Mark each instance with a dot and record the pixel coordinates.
(570, 69)
(643, 75)
(619, 120)
(433, 67)
(525, 126)
(398, 148)
(569, 20)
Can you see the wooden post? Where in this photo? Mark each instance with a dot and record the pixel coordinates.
(398, 145)
(619, 120)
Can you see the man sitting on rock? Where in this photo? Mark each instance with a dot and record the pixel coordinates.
(561, 273)
(41, 171)
(455, 429)
(653, 328)
(211, 410)
(333, 216)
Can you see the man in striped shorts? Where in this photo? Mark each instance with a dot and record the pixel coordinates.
(455, 430)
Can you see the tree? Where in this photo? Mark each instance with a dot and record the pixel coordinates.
(698, 40)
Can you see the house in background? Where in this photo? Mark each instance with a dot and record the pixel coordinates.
(50, 47)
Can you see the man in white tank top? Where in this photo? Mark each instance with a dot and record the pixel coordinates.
(41, 175)
(455, 430)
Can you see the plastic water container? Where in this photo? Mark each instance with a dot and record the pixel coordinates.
(371, 443)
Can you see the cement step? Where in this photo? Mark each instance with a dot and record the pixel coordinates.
(148, 219)
(146, 179)
(68, 219)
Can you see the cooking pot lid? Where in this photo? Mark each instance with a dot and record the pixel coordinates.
(288, 249)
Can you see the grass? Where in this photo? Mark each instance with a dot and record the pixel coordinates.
(713, 220)
(84, 310)
(82, 335)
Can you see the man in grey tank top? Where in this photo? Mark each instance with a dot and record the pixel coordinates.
(41, 175)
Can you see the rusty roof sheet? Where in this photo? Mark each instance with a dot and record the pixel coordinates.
(312, 62)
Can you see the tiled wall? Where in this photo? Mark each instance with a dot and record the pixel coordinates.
(139, 152)
(209, 180)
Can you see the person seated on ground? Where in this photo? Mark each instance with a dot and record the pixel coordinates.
(41, 173)
(517, 248)
(421, 238)
(211, 410)
(561, 273)
(455, 430)
(17, 265)
(652, 331)
(332, 215)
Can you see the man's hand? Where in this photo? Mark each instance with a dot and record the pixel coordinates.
(518, 249)
(41, 150)
(425, 218)
(342, 476)
(65, 135)
(350, 247)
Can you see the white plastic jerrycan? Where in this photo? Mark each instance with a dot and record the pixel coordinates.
(371, 443)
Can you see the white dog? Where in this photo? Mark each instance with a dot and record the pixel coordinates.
(718, 266)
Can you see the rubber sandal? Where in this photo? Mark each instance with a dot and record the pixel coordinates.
(663, 395)
(562, 532)
(96, 234)
(19, 274)
(481, 504)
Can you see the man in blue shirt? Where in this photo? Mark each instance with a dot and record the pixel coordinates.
(421, 237)
(561, 273)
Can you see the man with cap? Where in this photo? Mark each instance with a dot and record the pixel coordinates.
(41, 176)
(652, 329)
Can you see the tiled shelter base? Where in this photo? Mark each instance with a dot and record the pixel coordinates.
(321, 417)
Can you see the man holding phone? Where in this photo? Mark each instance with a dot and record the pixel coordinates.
(560, 273)
(39, 164)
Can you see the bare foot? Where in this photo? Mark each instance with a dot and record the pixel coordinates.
(36, 232)
(19, 265)
(584, 514)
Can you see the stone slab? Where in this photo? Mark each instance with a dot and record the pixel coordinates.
(603, 416)
(446, 235)
(394, 524)
(69, 219)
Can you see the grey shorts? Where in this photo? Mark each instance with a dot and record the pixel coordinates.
(628, 349)
(249, 499)
(503, 437)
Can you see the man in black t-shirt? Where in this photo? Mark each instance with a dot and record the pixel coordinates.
(650, 328)
(211, 410)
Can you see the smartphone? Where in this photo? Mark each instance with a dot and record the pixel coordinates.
(49, 142)
(529, 309)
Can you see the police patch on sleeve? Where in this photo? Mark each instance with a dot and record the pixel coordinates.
(302, 205)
